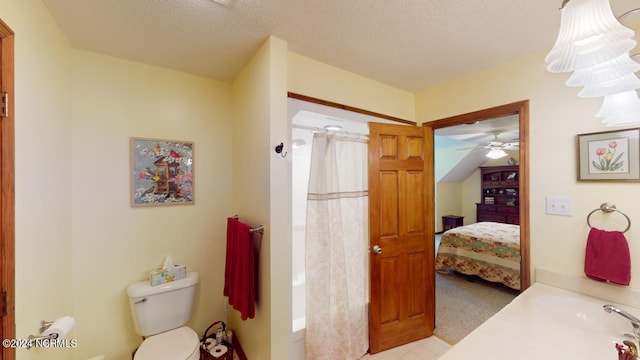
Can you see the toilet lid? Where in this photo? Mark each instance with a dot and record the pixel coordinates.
(177, 344)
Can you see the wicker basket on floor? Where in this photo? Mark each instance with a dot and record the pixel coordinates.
(209, 337)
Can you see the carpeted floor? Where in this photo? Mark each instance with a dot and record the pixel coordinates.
(463, 305)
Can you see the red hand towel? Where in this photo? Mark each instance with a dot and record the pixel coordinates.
(227, 263)
(239, 275)
(607, 257)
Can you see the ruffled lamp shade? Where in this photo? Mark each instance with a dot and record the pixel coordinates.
(603, 72)
(589, 35)
(620, 109)
(611, 87)
(595, 46)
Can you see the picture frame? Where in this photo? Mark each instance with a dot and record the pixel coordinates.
(162, 172)
(609, 155)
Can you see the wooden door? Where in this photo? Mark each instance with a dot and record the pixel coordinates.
(402, 303)
(7, 207)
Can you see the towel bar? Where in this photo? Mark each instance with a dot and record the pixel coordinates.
(258, 229)
(609, 208)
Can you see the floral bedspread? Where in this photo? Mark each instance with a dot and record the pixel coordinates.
(487, 249)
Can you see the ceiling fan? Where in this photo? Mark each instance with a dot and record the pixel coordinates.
(496, 147)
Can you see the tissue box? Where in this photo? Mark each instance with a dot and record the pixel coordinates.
(165, 275)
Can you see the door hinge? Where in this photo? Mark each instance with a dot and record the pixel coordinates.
(5, 303)
(5, 104)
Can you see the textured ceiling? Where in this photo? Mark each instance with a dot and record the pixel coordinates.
(409, 44)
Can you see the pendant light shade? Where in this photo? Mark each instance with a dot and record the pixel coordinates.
(627, 119)
(589, 35)
(604, 72)
(595, 46)
(620, 109)
(615, 86)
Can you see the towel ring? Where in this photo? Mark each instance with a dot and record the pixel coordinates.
(609, 208)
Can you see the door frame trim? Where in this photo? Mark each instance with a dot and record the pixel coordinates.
(7, 189)
(520, 108)
(348, 108)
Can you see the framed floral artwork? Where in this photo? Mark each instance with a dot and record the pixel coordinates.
(161, 172)
(609, 155)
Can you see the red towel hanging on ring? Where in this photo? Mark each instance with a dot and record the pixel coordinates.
(607, 257)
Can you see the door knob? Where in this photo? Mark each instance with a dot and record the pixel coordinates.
(377, 249)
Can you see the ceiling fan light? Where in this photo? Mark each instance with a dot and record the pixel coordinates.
(496, 153)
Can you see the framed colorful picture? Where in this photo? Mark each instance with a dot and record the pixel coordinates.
(610, 155)
(161, 172)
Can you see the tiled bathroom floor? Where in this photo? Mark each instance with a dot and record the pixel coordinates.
(430, 348)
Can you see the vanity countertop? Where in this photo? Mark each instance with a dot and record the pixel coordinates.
(547, 322)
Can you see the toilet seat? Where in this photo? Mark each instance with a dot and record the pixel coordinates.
(177, 344)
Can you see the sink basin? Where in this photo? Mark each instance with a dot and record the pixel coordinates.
(582, 315)
(546, 322)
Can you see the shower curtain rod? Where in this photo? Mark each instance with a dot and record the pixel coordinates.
(339, 132)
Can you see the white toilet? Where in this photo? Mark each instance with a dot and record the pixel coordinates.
(159, 314)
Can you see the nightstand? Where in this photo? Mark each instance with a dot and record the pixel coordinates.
(451, 221)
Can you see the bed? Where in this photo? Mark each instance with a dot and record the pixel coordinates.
(489, 250)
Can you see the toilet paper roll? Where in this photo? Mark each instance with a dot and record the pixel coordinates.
(218, 350)
(61, 327)
(209, 344)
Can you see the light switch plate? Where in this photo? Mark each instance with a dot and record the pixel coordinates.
(559, 205)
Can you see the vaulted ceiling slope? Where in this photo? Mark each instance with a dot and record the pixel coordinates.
(461, 149)
(409, 44)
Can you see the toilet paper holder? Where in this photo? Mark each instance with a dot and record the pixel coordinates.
(44, 325)
(51, 330)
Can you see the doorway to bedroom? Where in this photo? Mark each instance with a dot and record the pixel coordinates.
(466, 200)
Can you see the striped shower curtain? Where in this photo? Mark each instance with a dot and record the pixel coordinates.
(336, 263)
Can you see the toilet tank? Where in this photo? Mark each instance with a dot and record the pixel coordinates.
(160, 308)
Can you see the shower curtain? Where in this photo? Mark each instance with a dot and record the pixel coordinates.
(336, 263)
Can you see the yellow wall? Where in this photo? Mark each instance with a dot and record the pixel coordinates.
(280, 216)
(556, 116)
(470, 197)
(44, 245)
(115, 244)
(313, 78)
(251, 187)
(448, 202)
